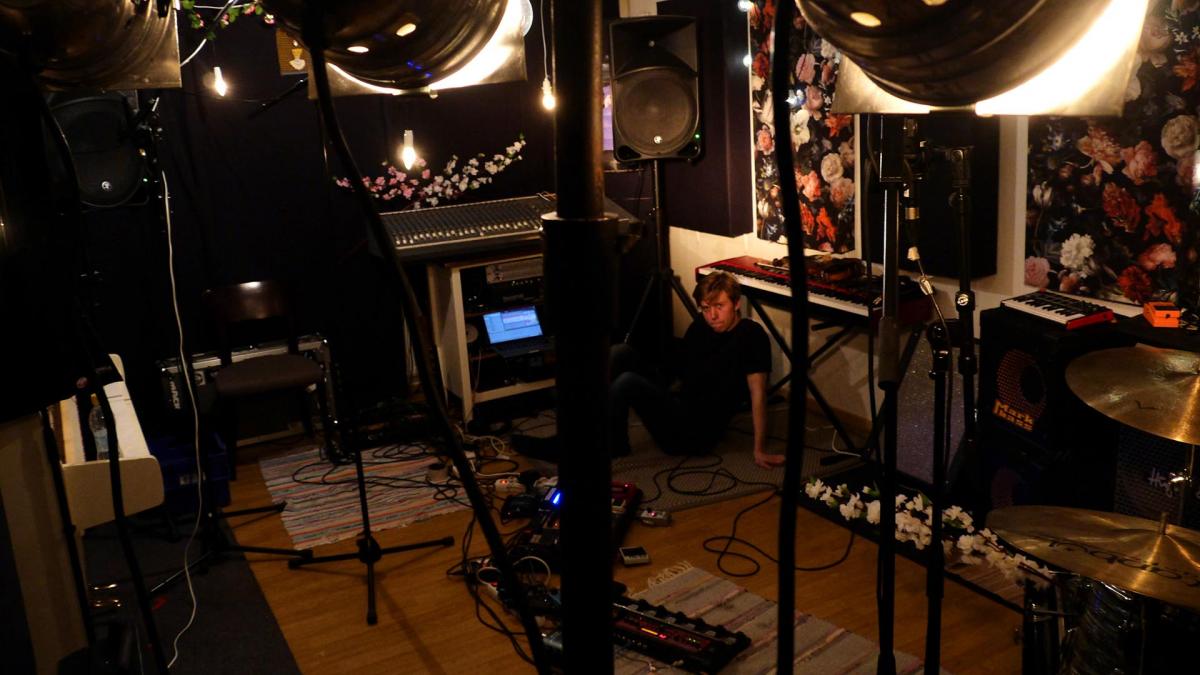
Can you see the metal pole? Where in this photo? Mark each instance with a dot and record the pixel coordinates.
(934, 577)
(580, 264)
(891, 169)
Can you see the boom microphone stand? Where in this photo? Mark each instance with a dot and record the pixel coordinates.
(313, 30)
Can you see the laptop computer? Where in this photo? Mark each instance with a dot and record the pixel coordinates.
(515, 332)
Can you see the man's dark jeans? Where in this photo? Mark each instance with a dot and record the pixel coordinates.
(675, 429)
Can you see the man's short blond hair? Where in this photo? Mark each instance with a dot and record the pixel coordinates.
(715, 283)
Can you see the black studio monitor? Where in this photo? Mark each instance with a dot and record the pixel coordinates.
(655, 88)
(105, 147)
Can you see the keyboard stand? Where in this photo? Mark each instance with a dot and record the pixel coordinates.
(813, 390)
(845, 329)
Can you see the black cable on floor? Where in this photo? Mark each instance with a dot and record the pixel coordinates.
(732, 538)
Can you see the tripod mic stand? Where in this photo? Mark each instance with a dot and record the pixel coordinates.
(369, 550)
(943, 340)
(662, 272)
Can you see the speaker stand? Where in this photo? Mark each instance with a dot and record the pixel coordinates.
(662, 273)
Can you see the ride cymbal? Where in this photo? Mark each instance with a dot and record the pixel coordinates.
(1151, 389)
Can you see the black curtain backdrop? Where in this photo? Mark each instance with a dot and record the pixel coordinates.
(251, 198)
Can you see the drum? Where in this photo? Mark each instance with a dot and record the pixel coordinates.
(1110, 630)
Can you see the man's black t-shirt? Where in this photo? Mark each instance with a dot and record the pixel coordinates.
(715, 366)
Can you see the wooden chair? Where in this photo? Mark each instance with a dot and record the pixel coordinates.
(260, 305)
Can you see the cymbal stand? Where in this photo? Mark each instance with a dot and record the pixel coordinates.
(1184, 481)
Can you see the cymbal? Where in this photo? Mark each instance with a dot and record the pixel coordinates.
(1150, 389)
(1128, 552)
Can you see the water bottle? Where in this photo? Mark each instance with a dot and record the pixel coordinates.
(99, 429)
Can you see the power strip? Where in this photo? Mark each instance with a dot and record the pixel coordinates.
(508, 486)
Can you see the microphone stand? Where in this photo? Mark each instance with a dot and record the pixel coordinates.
(943, 337)
(893, 171)
(316, 40)
(940, 344)
(939, 341)
(964, 300)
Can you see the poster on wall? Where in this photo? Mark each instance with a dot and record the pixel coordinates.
(823, 142)
(1113, 204)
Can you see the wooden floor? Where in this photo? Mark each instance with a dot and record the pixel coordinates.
(427, 622)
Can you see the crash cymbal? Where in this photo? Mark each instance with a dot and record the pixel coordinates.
(1142, 556)
(1150, 389)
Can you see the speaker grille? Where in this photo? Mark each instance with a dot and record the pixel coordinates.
(1145, 465)
(1020, 390)
(100, 133)
(657, 115)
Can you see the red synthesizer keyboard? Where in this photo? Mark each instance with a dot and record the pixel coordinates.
(1064, 310)
(857, 296)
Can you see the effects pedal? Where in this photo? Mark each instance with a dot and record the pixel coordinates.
(654, 517)
(1161, 314)
(634, 555)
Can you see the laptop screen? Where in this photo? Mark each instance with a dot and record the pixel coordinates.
(512, 324)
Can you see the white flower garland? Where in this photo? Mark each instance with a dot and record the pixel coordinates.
(913, 518)
(421, 188)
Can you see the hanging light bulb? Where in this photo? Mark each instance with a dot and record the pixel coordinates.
(548, 99)
(408, 154)
(219, 83)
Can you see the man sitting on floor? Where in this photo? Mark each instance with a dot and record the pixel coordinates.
(723, 365)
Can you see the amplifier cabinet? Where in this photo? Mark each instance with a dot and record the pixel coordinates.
(270, 417)
(1145, 467)
(1038, 443)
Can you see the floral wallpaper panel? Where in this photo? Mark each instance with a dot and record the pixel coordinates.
(824, 143)
(1113, 203)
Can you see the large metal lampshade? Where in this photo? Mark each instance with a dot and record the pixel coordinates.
(93, 44)
(410, 46)
(1012, 57)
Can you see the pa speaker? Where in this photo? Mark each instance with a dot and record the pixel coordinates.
(101, 133)
(655, 88)
(1039, 444)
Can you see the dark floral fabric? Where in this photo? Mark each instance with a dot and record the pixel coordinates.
(1113, 204)
(823, 142)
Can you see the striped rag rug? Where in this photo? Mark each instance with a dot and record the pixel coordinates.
(821, 647)
(322, 500)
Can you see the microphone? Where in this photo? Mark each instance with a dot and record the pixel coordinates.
(960, 176)
(960, 160)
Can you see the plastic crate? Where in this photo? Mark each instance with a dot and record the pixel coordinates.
(177, 460)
